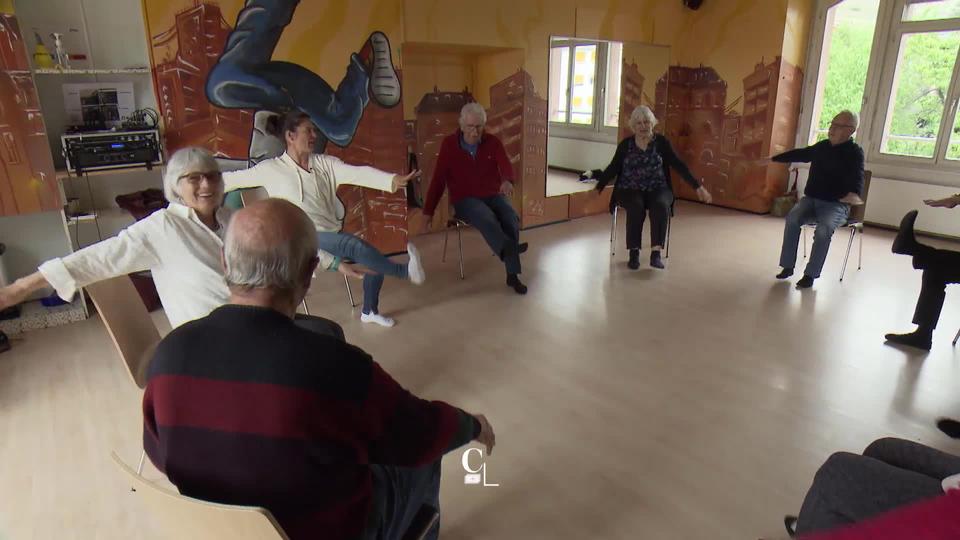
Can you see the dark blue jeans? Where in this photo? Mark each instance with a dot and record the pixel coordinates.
(348, 246)
(399, 493)
(828, 215)
(496, 220)
(245, 77)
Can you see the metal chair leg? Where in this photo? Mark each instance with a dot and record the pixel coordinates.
(446, 236)
(803, 235)
(955, 338)
(853, 232)
(860, 261)
(303, 304)
(143, 453)
(613, 233)
(460, 248)
(346, 282)
(667, 246)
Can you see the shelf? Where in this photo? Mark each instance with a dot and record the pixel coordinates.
(116, 71)
(62, 174)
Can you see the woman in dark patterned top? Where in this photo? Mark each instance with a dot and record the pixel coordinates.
(641, 166)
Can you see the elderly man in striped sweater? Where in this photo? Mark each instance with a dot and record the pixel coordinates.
(245, 407)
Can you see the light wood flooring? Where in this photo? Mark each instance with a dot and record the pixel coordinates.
(695, 402)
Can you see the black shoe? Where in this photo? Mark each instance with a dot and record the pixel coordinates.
(655, 260)
(805, 282)
(917, 339)
(790, 523)
(785, 273)
(514, 281)
(634, 262)
(950, 427)
(4, 343)
(905, 242)
(522, 248)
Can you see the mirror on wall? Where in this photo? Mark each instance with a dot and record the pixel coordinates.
(593, 87)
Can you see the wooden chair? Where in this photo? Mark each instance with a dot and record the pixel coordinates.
(854, 223)
(130, 327)
(185, 517)
(250, 196)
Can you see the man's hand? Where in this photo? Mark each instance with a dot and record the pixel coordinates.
(507, 188)
(704, 195)
(949, 202)
(349, 270)
(400, 180)
(851, 198)
(486, 436)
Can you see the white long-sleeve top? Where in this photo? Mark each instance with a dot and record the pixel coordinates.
(180, 251)
(313, 190)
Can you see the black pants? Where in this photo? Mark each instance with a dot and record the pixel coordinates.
(940, 267)
(637, 204)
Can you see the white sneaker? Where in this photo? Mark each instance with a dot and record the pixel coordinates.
(384, 83)
(415, 270)
(377, 319)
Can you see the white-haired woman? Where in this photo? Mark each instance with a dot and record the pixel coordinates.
(641, 166)
(179, 244)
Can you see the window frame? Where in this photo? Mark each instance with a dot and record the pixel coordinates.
(596, 130)
(881, 69)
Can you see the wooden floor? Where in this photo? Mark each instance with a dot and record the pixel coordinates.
(690, 403)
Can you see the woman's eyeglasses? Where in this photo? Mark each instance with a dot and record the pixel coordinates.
(197, 177)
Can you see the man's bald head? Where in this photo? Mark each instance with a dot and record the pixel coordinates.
(270, 244)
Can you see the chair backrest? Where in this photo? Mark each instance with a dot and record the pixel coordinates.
(250, 196)
(858, 212)
(128, 323)
(185, 517)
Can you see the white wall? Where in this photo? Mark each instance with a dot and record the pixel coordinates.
(578, 154)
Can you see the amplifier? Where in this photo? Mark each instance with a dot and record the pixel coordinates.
(111, 150)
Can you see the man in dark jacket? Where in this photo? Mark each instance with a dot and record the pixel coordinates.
(835, 182)
(245, 407)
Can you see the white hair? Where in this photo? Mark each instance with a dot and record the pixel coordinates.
(473, 108)
(642, 111)
(191, 159)
(255, 260)
(854, 117)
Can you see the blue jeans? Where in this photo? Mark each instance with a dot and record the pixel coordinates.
(245, 77)
(399, 493)
(348, 246)
(496, 220)
(827, 215)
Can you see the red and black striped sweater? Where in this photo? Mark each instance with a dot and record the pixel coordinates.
(244, 407)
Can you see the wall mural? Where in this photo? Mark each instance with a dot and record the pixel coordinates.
(27, 180)
(214, 80)
(722, 145)
(221, 65)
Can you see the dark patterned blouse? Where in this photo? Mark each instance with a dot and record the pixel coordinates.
(642, 169)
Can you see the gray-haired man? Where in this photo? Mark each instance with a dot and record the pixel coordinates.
(475, 168)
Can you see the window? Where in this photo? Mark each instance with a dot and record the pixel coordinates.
(584, 90)
(847, 42)
(896, 62)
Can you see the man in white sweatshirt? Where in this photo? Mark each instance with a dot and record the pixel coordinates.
(310, 181)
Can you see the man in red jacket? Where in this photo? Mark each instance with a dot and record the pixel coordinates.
(475, 167)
